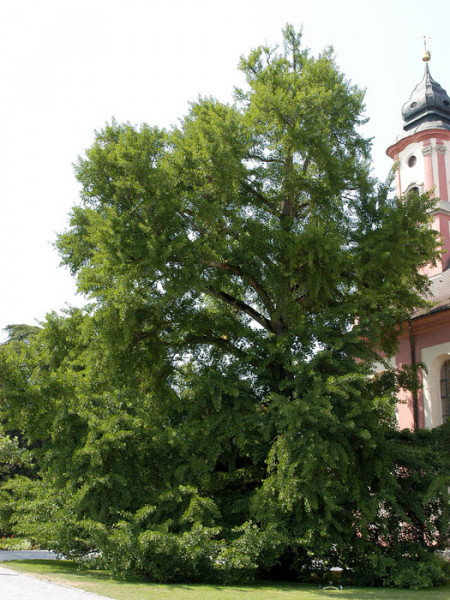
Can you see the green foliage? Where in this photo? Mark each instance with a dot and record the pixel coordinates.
(20, 333)
(419, 575)
(13, 543)
(412, 521)
(12, 454)
(211, 415)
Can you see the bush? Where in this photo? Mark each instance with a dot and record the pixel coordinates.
(13, 543)
(190, 556)
(419, 575)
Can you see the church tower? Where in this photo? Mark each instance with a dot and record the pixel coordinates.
(423, 153)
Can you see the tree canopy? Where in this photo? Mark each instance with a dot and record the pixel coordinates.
(212, 413)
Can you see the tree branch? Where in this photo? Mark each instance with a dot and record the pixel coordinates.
(264, 159)
(248, 310)
(188, 217)
(238, 271)
(220, 342)
(258, 195)
(282, 117)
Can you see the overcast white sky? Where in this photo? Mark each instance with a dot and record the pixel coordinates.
(68, 66)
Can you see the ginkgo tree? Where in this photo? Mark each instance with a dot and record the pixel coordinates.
(212, 413)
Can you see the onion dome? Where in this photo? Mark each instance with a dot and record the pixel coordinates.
(428, 105)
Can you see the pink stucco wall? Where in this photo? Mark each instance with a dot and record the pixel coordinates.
(428, 331)
(444, 231)
(434, 329)
(441, 225)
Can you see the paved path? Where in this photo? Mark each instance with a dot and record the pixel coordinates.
(16, 586)
(27, 555)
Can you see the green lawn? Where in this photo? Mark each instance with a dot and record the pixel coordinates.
(100, 582)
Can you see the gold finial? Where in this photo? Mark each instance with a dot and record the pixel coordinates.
(427, 55)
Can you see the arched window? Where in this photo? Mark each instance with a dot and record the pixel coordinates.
(445, 390)
(414, 187)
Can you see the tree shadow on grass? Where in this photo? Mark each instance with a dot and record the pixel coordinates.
(67, 568)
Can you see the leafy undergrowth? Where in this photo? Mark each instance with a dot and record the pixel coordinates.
(100, 582)
(12, 543)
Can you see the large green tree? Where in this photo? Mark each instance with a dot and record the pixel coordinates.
(212, 412)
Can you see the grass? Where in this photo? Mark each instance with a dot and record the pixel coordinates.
(100, 582)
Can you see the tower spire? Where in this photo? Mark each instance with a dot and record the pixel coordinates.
(427, 54)
(429, 104)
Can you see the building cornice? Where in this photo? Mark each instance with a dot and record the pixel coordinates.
(442, 208)
(435, 319)
(420, 136)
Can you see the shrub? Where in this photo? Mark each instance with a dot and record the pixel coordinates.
(13, 543)
(418, 575)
